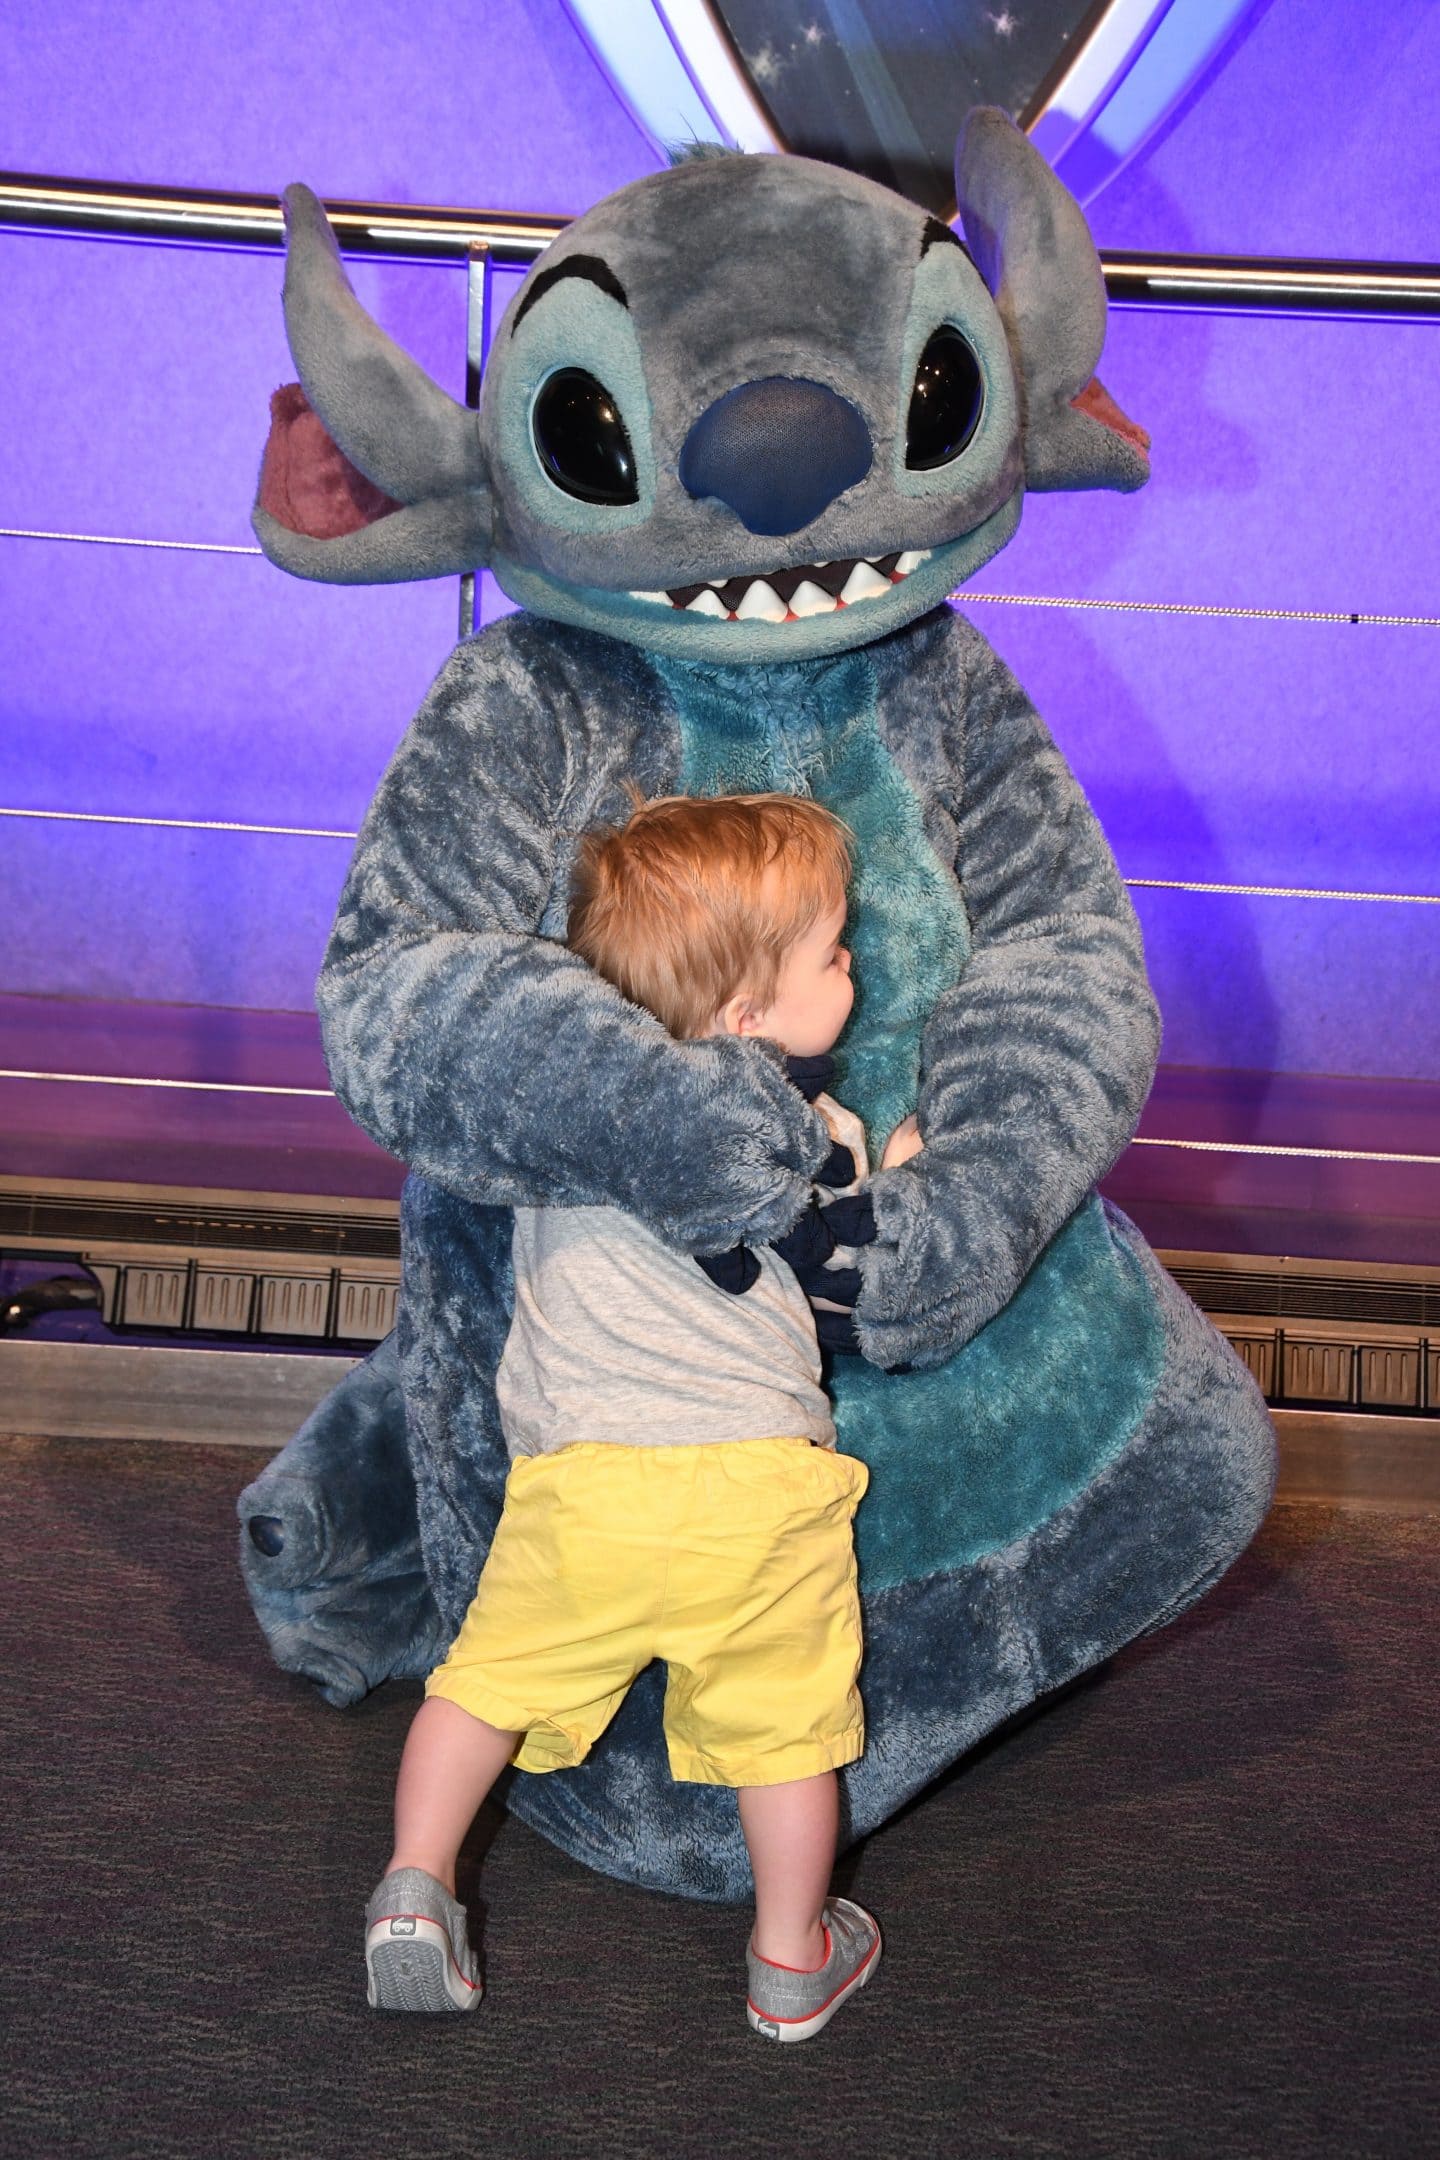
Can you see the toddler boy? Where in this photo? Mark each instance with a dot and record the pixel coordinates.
(674, 1489)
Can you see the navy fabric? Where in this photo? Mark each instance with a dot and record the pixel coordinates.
(852, 1218)
(812, 1075)
(836, 1332)
(811, 1242)
(839, 1167)
(737, 1270)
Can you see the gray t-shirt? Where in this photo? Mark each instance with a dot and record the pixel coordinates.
(618, 1338)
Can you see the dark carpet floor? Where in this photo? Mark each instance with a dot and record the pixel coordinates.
(1189, 1910)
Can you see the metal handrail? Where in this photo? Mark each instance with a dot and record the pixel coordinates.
(1272, 285)
(214, 218)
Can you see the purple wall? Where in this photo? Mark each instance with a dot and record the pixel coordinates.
(1292, 467)
(497, 104)
(1287, 754)
(190, 685)
(1314, 135)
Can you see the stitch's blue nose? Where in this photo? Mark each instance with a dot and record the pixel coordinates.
(777, 452)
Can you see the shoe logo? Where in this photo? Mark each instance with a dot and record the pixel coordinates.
(402, 1927)
(768, 2027)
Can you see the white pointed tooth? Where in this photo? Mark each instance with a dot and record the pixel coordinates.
(707, 603)
(662, 597)
(761, 604)
(910, 560)
(810, 599)
(863, 583)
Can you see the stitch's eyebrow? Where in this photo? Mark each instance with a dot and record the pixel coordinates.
(937, 234)
(590, 267)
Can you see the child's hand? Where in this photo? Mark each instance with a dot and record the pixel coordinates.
(904, 1142)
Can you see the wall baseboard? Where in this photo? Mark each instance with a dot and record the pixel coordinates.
(257, 1398)
(1359, 1460)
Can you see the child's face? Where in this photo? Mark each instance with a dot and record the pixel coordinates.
(813, 996)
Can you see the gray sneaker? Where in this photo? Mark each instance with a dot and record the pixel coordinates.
(417, 1950)
(789, 2005)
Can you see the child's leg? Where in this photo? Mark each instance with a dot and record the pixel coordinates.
(790, 1831)
(797, 1977)
(451, 1760)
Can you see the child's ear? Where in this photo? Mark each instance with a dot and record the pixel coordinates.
(740, 1015)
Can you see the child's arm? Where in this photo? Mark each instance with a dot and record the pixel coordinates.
(904, 1142)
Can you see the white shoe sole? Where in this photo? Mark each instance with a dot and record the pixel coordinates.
(411, 1966)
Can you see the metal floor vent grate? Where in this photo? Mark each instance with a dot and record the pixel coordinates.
(276, 1269)
(216, 1267)
(288, 1305)
(1299, 1372)
(1282, 1296)
(1342, 1336)
(60, 1218)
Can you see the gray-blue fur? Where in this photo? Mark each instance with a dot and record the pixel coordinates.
(1074, 1454)
(732, 268)
(405, 434)
(346, 1602)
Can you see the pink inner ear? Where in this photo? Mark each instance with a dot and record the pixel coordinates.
(1096, 403)
(307, 483)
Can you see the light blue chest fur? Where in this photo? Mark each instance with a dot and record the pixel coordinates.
(967, 1457)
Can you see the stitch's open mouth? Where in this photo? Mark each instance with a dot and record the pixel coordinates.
(792, 595)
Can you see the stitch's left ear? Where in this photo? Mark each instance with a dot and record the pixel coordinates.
(1033, 248)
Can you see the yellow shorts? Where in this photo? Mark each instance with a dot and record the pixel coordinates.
(733, 1562)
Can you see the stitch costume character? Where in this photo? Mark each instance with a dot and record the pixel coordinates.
(747, 424)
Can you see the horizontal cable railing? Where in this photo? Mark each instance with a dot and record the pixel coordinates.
(217, 218)
(129, 540)
(1231, 610)
(1272, 285)
(1223, 610)
(1203, 1147)
(328, 832)
(181, 824)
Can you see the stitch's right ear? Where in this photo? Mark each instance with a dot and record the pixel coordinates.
(372, 473)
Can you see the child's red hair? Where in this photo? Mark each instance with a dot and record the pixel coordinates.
(696, 898)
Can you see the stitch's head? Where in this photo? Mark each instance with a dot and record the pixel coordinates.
(751, 409)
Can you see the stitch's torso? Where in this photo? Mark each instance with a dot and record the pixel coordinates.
(973, 1454)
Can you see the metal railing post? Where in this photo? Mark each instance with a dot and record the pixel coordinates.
(479, 293)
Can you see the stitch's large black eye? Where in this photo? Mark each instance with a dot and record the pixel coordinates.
(945, 403)
(581, 439)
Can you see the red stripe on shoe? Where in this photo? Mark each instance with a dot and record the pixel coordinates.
(804, 1970)
(845, 1983)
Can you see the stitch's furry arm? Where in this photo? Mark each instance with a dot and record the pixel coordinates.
(1035, 1067)
(491, 1059)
